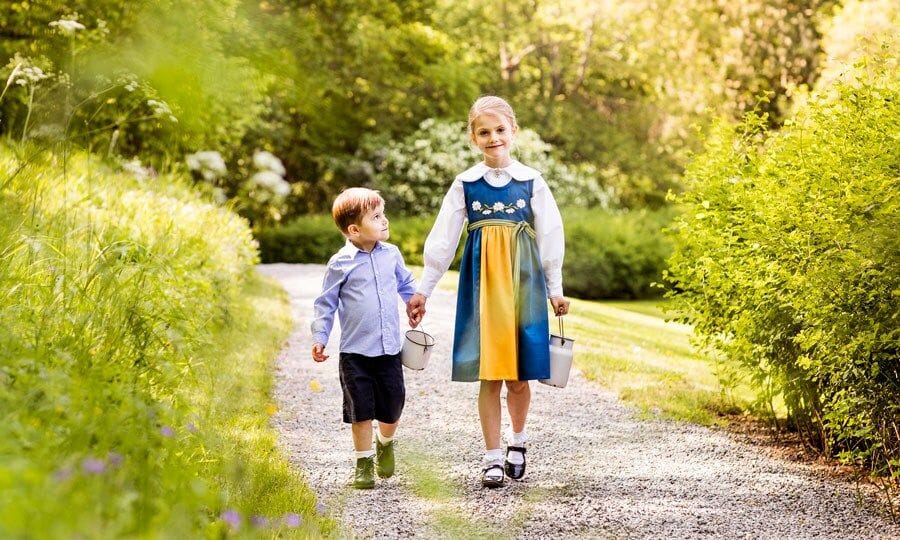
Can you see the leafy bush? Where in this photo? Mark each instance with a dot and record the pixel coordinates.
(113, 289)
(315, 238)
(307, 239)
(787, 260)
(609, 255)
(614, 255)
(414, 173)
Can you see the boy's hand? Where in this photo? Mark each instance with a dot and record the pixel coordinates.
(560, 305)
(415, 309)
(318, 353)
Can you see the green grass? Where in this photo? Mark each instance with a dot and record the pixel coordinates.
(631, 349)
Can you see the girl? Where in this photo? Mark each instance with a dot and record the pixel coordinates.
(511, 263)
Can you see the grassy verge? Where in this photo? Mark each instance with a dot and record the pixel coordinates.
(265, 496)
(135, 351)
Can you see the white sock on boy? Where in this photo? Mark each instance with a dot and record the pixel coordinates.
(364, 453)
(381, 438)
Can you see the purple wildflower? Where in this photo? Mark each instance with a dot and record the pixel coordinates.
(166, 431)
(192, 427)
(232, 518)
(320, 508)
(292, 520)
(115, 459)
(259, 521)
(63, 474)
(93, 466)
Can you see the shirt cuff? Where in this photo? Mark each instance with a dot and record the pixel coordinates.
(430, 278)
(320, 338)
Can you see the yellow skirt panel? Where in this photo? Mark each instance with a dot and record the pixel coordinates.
(497, 304)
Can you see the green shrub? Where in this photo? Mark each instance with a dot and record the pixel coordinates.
(608, 255)
(307, 239)
(315, 238)
(787, 260)
(614, 255)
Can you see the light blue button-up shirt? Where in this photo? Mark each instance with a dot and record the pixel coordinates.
(362, 287)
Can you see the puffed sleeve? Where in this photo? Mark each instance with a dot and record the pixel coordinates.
(442, 241)
(551, 239)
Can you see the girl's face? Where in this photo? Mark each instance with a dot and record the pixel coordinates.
(371, 229)
(493, 135)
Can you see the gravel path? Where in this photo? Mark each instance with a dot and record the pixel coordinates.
(594, 470)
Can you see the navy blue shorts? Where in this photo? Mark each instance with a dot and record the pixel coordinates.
(373, 387)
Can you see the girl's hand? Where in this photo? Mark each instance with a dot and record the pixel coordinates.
(318, 353)
(560, 306)
(415, 309)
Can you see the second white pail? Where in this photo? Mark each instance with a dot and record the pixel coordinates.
(416, 349)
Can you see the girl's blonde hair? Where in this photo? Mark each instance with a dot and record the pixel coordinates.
(352, 204)
(491, 104)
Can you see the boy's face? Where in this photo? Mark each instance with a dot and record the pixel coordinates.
(372, 228)
(493, 135)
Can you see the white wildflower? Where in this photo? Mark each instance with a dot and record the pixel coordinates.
(31, 74)
(219, 195)
(208, 163)
(160, 108)
(476, 206)
(134, 167)
(66, 26)
(520, 203)
(271, 181)
(267, 161)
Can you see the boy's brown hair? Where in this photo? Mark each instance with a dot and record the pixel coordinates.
(352, 204)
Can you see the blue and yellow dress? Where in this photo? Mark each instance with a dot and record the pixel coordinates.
(501, 312)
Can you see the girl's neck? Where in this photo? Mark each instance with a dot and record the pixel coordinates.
(497, 164)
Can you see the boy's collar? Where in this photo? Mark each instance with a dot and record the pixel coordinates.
(351, 249)
(514, 169)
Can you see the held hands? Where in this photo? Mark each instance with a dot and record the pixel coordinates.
(415, 309)
(318, 353)
(560, 306)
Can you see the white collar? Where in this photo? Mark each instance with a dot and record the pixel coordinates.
(515, 170)
(351, 250)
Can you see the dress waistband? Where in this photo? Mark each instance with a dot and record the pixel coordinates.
(517, 226)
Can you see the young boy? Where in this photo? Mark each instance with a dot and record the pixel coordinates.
(361, 284)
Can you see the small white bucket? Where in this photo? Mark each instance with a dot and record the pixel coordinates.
(560, 359)
(416, 349)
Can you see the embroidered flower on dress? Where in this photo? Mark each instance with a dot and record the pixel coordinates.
(497, 207)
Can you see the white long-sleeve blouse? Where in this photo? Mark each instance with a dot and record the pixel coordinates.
(442, 241)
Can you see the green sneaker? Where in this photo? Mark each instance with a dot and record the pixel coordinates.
(364, 477)
(384, 458)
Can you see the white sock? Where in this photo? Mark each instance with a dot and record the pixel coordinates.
(517, 439)
(493, 456)
(364, 453)
(381, 438)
